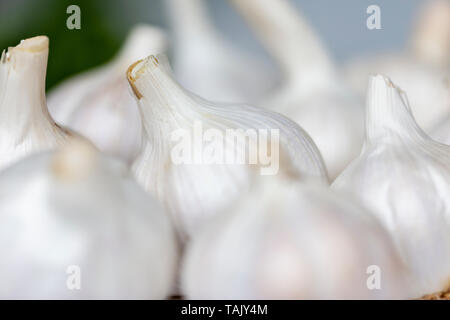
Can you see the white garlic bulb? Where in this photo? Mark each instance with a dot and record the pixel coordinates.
(190, 158)
(98, 103)
(75, 225)
(208, 65)
(25, 124)
(288, 240)
(421, 70)
(312, 93)
(404, 178)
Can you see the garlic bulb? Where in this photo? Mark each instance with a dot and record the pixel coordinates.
(190, 158)
(206, 64)
(290, 240)
(442, 132)
(98, 103)
(25, 124)
(420, 70)
(75, 225)
(404, 178)
(312, 93)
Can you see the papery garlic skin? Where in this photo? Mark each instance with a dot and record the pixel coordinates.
(98, 103)
(288, 240)
(25, 123)
(404, 178)
(190, 191)
(312, 93)
(208, 65)
(76, 213)
(442, 132)
(422, 69)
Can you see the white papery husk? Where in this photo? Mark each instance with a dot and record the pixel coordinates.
(442, 132)
(291, 240)
(193, 190)
(404, 178)
(312, 93)
(205, 63)
(98, 104)
(76, 208)
(25, 124)
(422, 70)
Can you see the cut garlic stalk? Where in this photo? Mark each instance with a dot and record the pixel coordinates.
(404, 178)
(312, 93)
(25, 123)
(288, 240)
(98, 103)
(178, 124)
(75, 225)
(207, 64)
(421, 70)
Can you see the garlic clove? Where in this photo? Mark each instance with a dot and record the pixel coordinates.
(74, 216)
(194, 188)
(403, 177)
(25, 123)
(207, 64)
(312, 93)
(290, 240)
(98, 104)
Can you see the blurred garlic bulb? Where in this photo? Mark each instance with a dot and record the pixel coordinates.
(420, 70)
(74, 213)
(288, 240)
(207, 64)
(98, 104)
(25, 124)
(192, 160)
(404, 178)
(312, 93)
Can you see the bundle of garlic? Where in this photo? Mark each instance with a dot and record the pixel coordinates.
(74, 225)
(312, 94)
(98, 103)
(291, 240)
(25, 124)
(404, 178)
(196, 155)
(207, 64)
(421, 70)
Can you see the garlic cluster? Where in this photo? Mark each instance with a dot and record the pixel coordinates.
(291, 240)
(189, 159)
(98, 103)
(422, 70)
(404, 178)
(312, 93)
(74, 225)
(208, 65)
(25, 123)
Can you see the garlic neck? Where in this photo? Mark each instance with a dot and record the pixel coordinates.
(22, 84)
(190, 21)
(163, 103)
(288, 38)
(388, 114)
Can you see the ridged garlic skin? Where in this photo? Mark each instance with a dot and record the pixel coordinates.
(207, 64)
(25, 123)
(76, 209)
(193, 192)
(404, 178)
(422, 70)
(312, 92)
(288, 240)
(98, 103)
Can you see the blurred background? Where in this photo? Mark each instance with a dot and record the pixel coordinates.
(105, 24)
